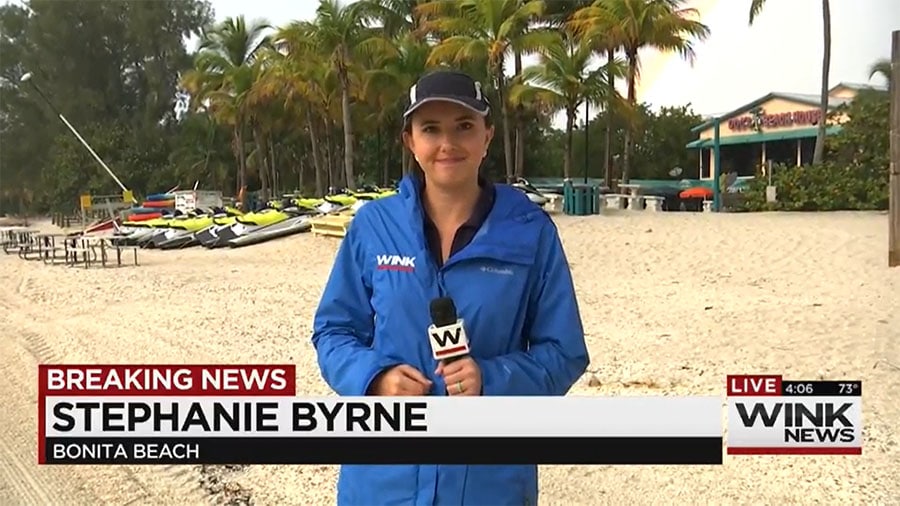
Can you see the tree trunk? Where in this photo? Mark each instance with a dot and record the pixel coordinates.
(337, 134)
(242, 162)
(404, 160)
(348, 130)
(275, 179)
(826, 64)
(329, 150)
(386, 170)
(317, 164)
(519, 156)
(607, 149)
(507, 135)
(567, 156)
(260, 160)
(384, 156)
(626, 158)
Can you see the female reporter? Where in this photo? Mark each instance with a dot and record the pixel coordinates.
(448, 233)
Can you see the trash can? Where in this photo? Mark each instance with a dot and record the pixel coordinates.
(581, 199)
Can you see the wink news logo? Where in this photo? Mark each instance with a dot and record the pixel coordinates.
(396, 263)
(816, 423)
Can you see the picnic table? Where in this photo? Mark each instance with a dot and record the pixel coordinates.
(15, 238)
(50, 245)
(635, 199)
(632, 188)
(97, 249)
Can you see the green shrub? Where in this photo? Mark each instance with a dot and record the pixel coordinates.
(824, 187)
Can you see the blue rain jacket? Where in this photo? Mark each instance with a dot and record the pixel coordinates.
(512, 287)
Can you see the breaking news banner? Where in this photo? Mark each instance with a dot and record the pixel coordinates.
(249, 414)
(768, 415)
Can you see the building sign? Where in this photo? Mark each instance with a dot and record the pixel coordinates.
(760, 120)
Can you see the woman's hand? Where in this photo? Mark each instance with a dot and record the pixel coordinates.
(462, 376)
(401, 380)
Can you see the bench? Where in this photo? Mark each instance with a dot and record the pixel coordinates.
(636, 202)
(654, 203)
(332, 226)
(554, 203)
(615, 200)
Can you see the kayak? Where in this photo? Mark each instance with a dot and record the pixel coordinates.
(160, 196)
(144, 217)
(285, 228)
(143, 210)
(161, 221)
(102, 225)
(158, 203)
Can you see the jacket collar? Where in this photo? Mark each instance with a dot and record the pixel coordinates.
(502, 236)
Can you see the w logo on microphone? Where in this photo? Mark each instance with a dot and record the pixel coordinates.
(396, 263)
(448, 335)
(448, 341)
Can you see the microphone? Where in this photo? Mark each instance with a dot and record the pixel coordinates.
(446, 333)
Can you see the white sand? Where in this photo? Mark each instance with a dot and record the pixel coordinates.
(671, 303)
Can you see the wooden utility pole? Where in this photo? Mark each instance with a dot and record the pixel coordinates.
(894, 233)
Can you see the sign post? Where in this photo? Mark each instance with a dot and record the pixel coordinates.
(771, 192)
(894, 232)
(86, 202)
(717, 162)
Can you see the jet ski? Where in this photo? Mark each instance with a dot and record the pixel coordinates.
(181, 228)
(245, 224)
(530, 191)
(293, 225)
(202, 229)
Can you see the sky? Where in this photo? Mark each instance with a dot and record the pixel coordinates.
(782, 51)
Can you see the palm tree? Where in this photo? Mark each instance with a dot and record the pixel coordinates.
(308, 83)
(338, 32)
(346, 74)
(756, 7)
(596, 26)
(395, 17)
(637, 24)
(562, 80)
(223, 74)
(881, 68)
(390, 78)
(485, 32)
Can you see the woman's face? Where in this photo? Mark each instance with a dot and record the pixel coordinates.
(449, 141)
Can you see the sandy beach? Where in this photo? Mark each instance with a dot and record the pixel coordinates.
(671, 302)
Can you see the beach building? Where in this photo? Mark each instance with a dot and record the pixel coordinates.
(778, 126)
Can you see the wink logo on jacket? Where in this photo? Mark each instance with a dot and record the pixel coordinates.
(396, 263)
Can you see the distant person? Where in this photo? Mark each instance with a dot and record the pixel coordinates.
(490, 249)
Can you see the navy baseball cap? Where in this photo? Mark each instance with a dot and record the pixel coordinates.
(448, 86)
